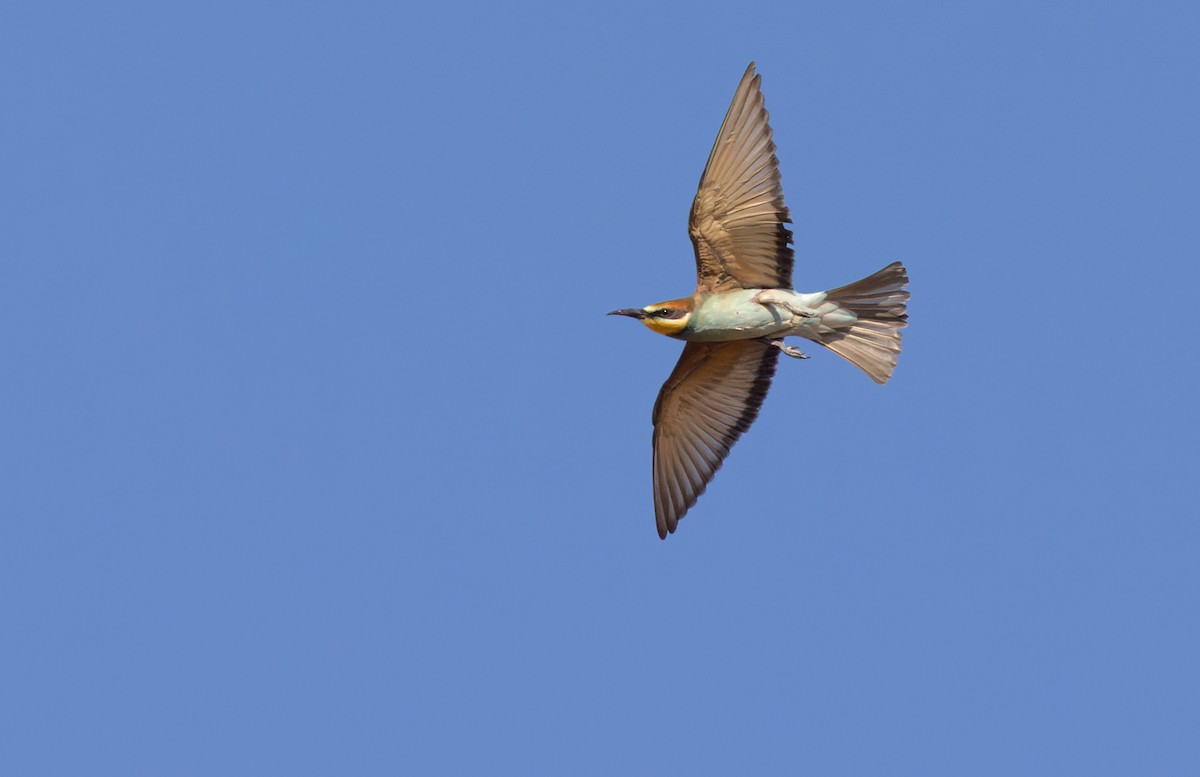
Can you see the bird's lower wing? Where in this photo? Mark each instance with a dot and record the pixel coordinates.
(712, 396)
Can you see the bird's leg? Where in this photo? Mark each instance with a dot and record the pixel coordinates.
(773, 297)
(780, 298)
(790, 350)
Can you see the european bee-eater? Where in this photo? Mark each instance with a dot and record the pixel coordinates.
(743, 306)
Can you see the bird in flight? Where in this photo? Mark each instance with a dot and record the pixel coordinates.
(734, 323)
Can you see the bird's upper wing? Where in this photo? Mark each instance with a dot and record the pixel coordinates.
(738, 216)
(712, 396)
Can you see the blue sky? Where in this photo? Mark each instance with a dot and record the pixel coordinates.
(320, 456)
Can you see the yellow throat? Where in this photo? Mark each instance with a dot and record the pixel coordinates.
(668, 318)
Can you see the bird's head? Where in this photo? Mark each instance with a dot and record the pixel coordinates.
(667, 318)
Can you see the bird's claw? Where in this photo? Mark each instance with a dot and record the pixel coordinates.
(789, 350)
(772, 297)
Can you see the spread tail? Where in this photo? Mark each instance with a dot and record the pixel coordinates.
(873, 342)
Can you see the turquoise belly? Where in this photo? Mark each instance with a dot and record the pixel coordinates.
(734, 316)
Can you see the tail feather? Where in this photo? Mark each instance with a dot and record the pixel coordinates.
(873, 342)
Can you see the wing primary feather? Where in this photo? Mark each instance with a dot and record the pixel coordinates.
(711, 398)
(738, 215)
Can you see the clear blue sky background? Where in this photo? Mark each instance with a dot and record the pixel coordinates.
(319, 455)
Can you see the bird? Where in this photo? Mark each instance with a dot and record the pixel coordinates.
(734, 324)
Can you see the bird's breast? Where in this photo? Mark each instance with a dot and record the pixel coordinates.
(734, 315)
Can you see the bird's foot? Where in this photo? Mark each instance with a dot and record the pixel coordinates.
(789, 350)
(780, 300)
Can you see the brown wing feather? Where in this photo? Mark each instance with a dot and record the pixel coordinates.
(711, 397)
(738, 216)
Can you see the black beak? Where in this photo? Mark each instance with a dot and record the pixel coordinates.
(631, 312)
